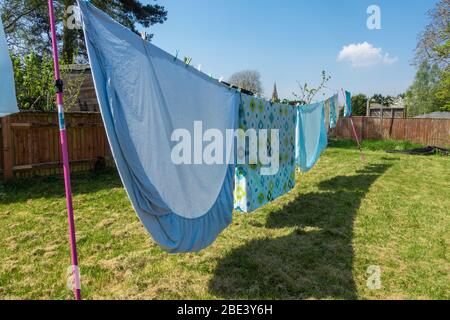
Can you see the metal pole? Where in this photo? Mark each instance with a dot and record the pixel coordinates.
(65, 154)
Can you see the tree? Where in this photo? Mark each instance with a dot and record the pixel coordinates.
(249, 80)
(27, 27)
(385, 101)
(35, 86)
(307, 94)
(434, 49)
(421, 96)
(443, 91)
(434, 44)
(33, 77)
(359, 104)
(443, 88)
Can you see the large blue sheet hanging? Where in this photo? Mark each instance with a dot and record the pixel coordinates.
(8, 103)
(145, 96)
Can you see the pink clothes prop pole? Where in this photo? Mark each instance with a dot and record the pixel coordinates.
(65, 155)
(354, 129)
(357, 139)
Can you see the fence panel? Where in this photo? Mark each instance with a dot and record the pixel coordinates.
(29, 141)
(433, 132)
(35, 148)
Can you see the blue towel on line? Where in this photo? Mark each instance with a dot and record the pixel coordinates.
(311, 135)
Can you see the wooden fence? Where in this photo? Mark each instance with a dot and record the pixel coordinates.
(432, 132)
(29, 143)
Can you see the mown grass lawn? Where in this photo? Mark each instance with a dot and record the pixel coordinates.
(391, 211)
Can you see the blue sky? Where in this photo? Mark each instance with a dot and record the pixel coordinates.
(294, 40)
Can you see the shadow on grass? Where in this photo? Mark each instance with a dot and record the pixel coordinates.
(21, 190)
(315, 261)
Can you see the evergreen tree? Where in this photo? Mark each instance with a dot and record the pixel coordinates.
(27, 26)
(359, 104)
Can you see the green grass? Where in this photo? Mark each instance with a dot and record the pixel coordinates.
(317, 242)
(376, 145)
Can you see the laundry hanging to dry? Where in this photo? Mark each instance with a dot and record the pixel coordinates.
(8, 103)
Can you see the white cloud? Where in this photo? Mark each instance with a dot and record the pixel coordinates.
(364, 55)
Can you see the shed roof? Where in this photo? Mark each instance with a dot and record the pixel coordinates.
(435, 115)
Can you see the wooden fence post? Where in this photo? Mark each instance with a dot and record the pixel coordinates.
(382, 122)
(363, 122)
(7, 149)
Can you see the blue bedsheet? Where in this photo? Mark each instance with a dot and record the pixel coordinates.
(8, 103)
(145, 96)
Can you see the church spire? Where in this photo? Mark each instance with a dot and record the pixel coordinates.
(275, 93)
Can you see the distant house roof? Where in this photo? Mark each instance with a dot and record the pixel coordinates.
(435, 115)
(398, 103)
(79, 67)
(377, 106)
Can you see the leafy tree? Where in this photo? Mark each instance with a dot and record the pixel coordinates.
(434, 44)
(249, 80)
(385, 101)
(27, 27)
(443, 91)
(443, 88)
(421, 96)
(35, 85)
(307, 94)
(34, 82)
(434, 49)
(359, 104)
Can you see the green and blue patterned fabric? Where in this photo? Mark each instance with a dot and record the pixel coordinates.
(252, 189)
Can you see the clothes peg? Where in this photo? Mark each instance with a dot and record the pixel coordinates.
(199, 67)
(176, 55)
(221, 79)
(187, 61)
